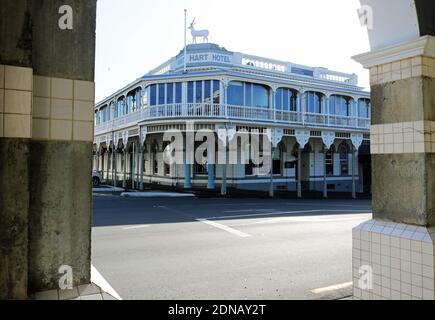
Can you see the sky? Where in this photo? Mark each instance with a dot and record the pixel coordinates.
(135, 36)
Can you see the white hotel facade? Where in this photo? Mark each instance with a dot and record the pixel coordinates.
(319, 121)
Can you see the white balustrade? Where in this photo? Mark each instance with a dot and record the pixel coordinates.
(211, 110)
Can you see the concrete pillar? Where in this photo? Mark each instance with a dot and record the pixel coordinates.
(211, 185)
(393, 254)
(16, 71)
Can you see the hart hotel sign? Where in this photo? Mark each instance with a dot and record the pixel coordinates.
(206, 57)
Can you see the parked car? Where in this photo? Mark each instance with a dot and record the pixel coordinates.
(96, 178)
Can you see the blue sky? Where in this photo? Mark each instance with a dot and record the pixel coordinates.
(135, 36)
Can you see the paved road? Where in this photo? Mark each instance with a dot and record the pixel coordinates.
(224, 248)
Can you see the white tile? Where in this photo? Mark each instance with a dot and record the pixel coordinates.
(405, 243)
(88, 289)
(428, 272)
(427, 248)
(416, 280)
(18, 78)
(415, 246)
(47, 295)
(68, 294)
(405, 277)
(416, 268)
(395, 274)
(417, 292)
(428, 294)
(428, 260)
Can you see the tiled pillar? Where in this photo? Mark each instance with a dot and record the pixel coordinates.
(393, 254)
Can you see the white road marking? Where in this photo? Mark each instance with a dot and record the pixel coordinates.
(332, 288)
(99, 280)
(281, 213)
(225, 228)
(249, 210)
(136, 227)
(362, 217)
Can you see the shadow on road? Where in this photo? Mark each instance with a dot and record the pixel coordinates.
(112, 210)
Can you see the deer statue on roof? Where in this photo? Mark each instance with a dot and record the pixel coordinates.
(198, 33)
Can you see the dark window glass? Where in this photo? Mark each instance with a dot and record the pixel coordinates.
(178, 92)
(161, 93)
(329, 164)
(235, 93)
(190, 92)
(153, 92)
(198, 93)
(261, 96)
(248, 94)
(278, 97)
(286, 99)
(170, 93)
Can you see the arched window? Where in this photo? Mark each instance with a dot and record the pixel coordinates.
(364, 108)
(343, 151)
(313, 102)
(248, 94)
(339, 105)
(285, 99)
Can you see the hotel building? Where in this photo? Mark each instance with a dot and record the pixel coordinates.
(318, 121)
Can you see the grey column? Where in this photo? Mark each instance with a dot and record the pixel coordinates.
(124, 180)
(403, 170)
(60, 188)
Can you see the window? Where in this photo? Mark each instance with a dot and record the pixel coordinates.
(343, 150)
(278, 99)
(169, 93)
(207, 91)
(364, 108)
(339, 105)
(329, 163)
(190, 92)
(144, 98)
(235, 93)
(285, 99)
(161, 93)
(178, 92)
(216, 92)
(198, 92)
(248, 94)
(260, 96)
(313, 101)
(153, 93)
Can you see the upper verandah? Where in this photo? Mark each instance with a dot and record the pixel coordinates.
(205, 58)
(209, 55)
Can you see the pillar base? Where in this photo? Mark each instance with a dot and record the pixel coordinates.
(393, 261)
